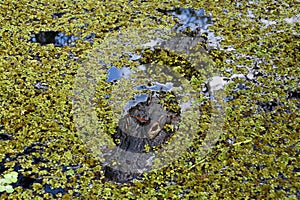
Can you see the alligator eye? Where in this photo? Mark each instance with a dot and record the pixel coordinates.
(154, 130)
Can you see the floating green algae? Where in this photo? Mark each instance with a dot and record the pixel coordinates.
(7, 180)
(257, 157)
(94, 131)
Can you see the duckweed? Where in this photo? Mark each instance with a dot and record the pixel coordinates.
(257, 156)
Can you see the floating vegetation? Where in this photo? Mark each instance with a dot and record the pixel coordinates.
(7, 180)
(254, 46)
(140, 129)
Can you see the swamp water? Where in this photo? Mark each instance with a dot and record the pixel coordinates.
(155, 108)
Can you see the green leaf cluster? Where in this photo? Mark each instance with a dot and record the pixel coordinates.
(8, 179)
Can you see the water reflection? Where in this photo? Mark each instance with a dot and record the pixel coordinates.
(59, 39)
(189, 18)
(115, 74)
